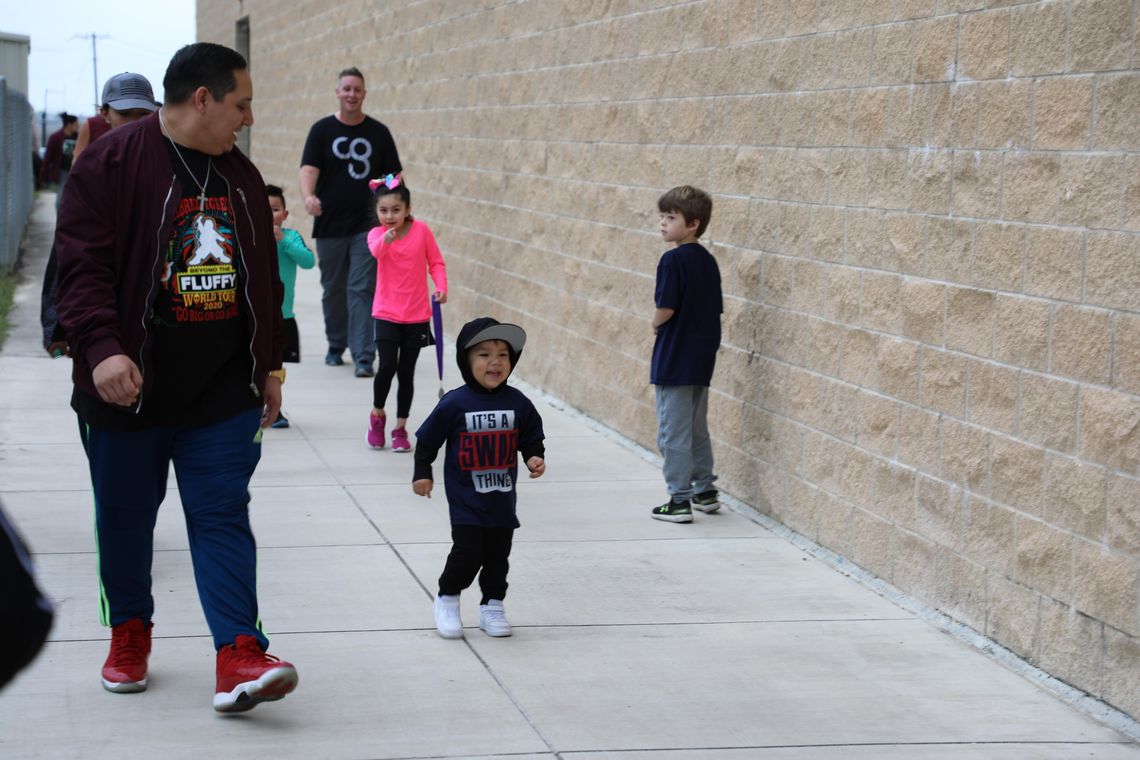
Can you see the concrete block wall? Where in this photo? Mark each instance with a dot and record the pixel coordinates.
(927, 217)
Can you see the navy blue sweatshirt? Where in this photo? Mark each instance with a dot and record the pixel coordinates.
(484, 431)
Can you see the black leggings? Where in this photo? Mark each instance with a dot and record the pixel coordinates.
(474, 547)
(396, 361)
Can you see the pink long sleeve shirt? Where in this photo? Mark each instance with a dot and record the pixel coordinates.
(401, 274)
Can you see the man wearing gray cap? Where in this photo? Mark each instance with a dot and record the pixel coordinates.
(127, 97)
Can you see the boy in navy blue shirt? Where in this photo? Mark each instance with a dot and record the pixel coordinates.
(486, 424)
(687, 325)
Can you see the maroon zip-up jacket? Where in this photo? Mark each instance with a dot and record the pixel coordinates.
(114, 224)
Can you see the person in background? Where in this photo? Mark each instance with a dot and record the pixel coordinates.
(291, 253)
(58, 154)
(342, 152)
(405, 251)
(687, 325)
(127, 98)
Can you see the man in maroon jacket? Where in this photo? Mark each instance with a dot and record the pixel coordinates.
(171, 301)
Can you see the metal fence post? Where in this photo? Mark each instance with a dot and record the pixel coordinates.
(16, 181)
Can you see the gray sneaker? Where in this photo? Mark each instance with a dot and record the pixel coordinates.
(447, 622)
(706, 501)
(493, 620)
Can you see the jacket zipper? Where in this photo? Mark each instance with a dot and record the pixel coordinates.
(149, 307)
(245, 288)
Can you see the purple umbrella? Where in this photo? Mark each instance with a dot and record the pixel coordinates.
(437, 326)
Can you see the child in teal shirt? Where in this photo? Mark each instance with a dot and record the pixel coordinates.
(291, 253)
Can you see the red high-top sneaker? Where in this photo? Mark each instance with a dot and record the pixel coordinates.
(247, 676)
(125, 669)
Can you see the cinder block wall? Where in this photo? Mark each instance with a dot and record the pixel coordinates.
(928, 223)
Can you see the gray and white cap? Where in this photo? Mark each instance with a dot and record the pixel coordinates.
(126, 91)
(513, 335)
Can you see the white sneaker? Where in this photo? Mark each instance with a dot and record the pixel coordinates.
(447, 620)
(493, 620)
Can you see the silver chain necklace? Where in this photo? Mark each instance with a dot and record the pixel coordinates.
(209, 164)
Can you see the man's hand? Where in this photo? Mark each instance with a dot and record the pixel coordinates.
(537, 466)
(422, 487)
(272, 401)
(118, 380)
(313, 205)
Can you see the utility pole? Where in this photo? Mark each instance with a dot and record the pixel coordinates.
(94, 63)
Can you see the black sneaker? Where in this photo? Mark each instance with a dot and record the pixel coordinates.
(673, 511)
(706, 501)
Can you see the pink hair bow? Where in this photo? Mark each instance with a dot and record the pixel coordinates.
(392, 181)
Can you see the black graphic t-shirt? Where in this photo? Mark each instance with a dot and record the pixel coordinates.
(201, 366)
(200, 350)
(348, 156)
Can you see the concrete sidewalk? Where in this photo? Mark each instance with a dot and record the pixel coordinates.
(633, 638)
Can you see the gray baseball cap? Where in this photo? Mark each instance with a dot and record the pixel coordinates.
(490, 329)
(126, 91)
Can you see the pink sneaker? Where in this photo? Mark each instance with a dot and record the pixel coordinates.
(375, 435)
(400, 440)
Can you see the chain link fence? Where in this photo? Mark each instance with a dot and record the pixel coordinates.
(17, 185)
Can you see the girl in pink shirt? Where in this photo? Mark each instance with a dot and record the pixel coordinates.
(405, 252)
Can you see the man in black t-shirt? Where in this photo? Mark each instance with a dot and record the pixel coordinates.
(342, 152)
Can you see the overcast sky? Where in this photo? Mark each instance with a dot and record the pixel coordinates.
(141, 36)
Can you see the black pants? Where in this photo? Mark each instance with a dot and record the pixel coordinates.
(474, 547)
(398, 362)
(292, 341)
(398, 347)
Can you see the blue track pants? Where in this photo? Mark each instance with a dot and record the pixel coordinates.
(213, 465)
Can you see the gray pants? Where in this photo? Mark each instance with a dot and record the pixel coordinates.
(683, 438)
(348, 278)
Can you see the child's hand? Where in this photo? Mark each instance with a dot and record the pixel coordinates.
(422, 487)
(537, 466)
(277, 233)
(440, 296)
(389, 236)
